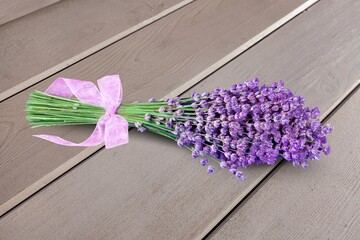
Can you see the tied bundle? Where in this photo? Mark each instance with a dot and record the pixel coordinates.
(235, 128)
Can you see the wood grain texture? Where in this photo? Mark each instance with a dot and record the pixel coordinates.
(152, 189)
(13, 9)
(321, 202)
(165, 57)
(49, 40)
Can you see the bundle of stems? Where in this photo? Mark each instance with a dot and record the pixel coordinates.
(44, 110)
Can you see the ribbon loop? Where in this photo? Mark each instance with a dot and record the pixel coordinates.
(111, 128)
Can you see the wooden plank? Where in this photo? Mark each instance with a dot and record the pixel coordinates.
(168, 56)
(152, 189)
(13, 9)
(49, 40)
(322, 202)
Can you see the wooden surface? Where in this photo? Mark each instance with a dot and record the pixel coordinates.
(152, 189)
(40, 44)
(13, 9)
(321, 202)
(164, 58)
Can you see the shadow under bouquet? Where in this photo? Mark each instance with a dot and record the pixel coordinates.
(235, 128)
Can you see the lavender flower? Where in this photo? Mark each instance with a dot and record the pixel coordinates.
(240, 175)
(204, 162)
(210, 169)
(247, 124)
(147, 117)
(140, 127)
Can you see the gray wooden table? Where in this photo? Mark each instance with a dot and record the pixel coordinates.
(150, 188)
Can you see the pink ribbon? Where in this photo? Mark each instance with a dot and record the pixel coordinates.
(111, 128)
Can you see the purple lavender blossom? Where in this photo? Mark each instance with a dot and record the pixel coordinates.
(245, 125)
(147, 117)
(140, 127)
(240, 175)
(210, 169)
(204, 162)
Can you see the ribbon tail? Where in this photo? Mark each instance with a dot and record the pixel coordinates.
(116, 132)
(95, 138)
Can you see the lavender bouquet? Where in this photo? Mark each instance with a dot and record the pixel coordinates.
(235, 128)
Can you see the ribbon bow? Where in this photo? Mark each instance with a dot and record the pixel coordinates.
(111, 128)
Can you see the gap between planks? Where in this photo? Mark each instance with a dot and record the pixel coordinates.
(72, 162)
(187, 85)
(90, 51)
(243, 197)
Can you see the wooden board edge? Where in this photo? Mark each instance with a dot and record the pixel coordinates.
(48, 178)
(53, 70)
(215, 223)
(251, 42)
(29, 191)
(340, 100)
(9, 19)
